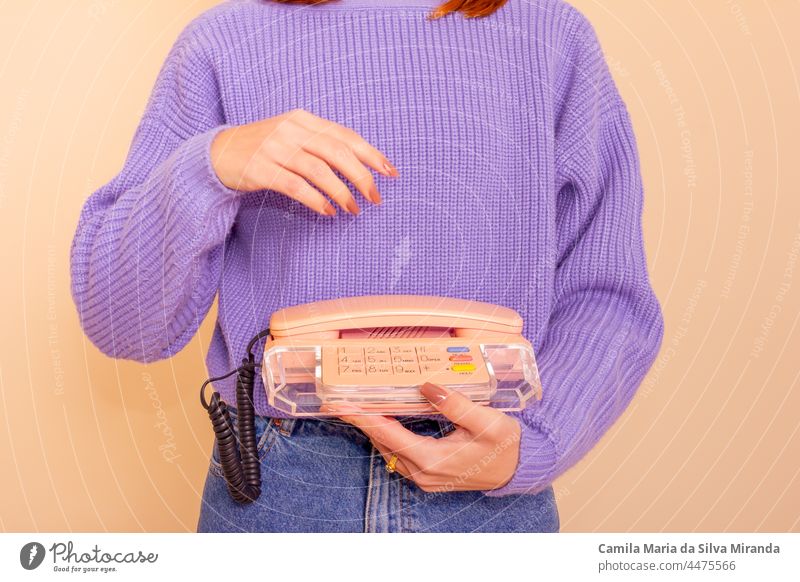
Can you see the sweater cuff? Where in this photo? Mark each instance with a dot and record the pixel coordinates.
(199, 194)
(537, 460)
(201, 210)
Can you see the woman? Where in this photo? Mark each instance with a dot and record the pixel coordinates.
(293, 153)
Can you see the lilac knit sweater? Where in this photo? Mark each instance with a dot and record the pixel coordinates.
(519, 185)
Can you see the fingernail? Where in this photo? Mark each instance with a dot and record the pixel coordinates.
(329, 210)
(390, 170)
(436, 394)
(374, 195)
(353, 207)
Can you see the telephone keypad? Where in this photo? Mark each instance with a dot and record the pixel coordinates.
(405, 363)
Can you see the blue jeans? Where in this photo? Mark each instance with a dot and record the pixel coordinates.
(325, 476)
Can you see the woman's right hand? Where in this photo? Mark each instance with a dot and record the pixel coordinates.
(296, 153)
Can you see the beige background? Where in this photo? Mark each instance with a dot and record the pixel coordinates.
(710, 442)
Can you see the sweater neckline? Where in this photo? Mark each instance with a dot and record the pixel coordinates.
(375, 4)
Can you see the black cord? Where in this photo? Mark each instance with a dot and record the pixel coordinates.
(239, 460)
(259, 336)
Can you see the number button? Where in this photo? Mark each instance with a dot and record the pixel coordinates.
(350, 350)
(351, 370)
(402, 349)
(379, 369)
(377, 351)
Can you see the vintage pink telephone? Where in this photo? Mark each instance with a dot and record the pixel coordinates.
(375, 352)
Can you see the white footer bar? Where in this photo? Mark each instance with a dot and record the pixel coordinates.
(388, 557)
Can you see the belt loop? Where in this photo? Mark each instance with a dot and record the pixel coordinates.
(284, 425)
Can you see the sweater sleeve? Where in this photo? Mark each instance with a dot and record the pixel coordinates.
(606, 326)
(146, 259)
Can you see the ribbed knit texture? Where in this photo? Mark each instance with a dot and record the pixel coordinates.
(520, 185)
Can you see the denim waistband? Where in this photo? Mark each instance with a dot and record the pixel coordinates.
(424, 425)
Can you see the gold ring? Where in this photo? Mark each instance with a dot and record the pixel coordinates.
(390, 466)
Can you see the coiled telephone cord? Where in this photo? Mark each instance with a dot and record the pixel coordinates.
(240, 464)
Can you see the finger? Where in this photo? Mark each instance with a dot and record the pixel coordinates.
(364, 150)
(387, 431)
(402, 466)
(319, 173)
(369, 154)
(476, 418)
(340, 155)
(425, 481)
(295, 187)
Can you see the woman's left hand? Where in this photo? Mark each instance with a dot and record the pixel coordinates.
(480, 454)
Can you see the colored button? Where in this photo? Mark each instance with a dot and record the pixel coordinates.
(461, 358)
(463, 368)
(457, 349)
